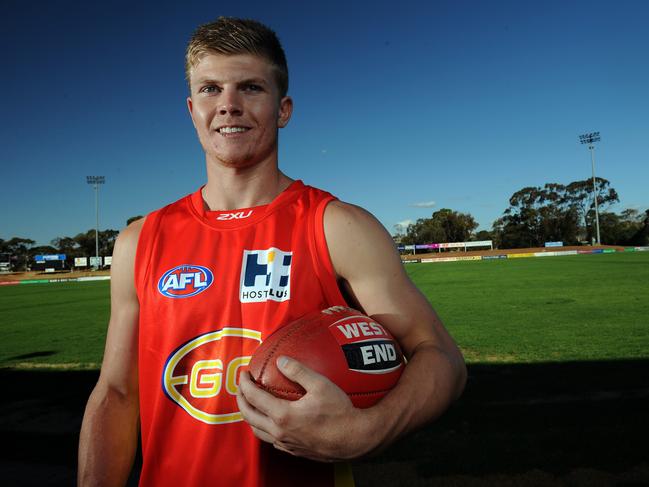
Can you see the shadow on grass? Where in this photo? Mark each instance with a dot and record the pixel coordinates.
(25, 356)
(512, 422)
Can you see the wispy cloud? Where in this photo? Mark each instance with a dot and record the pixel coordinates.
(423, 204)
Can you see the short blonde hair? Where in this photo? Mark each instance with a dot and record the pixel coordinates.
(230, 36)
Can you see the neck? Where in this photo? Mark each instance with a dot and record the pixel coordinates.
(230, 188)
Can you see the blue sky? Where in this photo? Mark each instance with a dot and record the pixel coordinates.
(459, 103)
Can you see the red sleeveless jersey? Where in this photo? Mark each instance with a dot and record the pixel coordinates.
(212, 285)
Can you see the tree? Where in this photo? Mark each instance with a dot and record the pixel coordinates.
(580, 195)
(641, 236)
(535, 216)
(19, 248)
(422, 231)
(553, 212)
(445, 226)
(457, 227)
(86, 242)
(623, 229)
(483, 235)
(43, 250)
(69, 247)
(65, 245)
(107, 241)
(132, 219)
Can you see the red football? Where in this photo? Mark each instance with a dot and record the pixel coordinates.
(349, 348)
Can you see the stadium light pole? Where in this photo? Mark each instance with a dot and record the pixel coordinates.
(590, 139)
(96, 181)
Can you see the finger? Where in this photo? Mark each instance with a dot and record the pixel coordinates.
(281, 447)
(300, 452)
(300, 373)
(261, 400)
(261, 409)
(263, 435)
(254, 417)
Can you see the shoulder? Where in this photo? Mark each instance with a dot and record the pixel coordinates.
(126, 247)
(356, 239)
(351, 218)
(130, 235)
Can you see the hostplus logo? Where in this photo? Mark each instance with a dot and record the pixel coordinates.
(265, 275)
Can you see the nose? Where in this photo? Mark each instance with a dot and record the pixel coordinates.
(230, 102)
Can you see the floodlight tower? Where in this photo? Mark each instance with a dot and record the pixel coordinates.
(96, 181)
(590, 139)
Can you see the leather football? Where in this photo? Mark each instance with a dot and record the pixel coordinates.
(350, 349)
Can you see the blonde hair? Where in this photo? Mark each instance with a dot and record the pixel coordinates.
(231, 36)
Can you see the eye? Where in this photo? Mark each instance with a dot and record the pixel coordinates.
(252, 87)
(209, 89)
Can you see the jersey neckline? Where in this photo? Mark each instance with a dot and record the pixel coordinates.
(241, 217)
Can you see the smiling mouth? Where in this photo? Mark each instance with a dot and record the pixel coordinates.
(232, 130)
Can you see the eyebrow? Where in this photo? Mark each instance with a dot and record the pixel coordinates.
(258, 81)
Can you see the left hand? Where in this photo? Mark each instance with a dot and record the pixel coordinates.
(322, 425)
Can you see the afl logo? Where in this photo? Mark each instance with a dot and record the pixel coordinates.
(185, 281)
(202, 376)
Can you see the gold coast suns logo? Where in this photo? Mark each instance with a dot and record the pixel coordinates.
(202, 376)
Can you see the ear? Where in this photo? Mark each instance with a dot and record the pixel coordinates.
(190, 107)
(285, 111)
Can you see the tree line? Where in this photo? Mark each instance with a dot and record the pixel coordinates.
(23, 250)
(551, 213)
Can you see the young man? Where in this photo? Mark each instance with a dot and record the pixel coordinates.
(197, 285)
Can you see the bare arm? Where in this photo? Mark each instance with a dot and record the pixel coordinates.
(110, 424)
(365, 259)
(323, 425)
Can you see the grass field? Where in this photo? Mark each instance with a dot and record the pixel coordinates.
(582, 307)
(585, 307)
(557, 393)
(55, 324)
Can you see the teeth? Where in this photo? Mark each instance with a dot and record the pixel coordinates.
(232, 130)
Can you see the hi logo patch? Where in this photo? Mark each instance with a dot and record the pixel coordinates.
(185, 281)
(265, 275)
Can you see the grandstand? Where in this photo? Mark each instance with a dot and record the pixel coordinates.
(446, 246)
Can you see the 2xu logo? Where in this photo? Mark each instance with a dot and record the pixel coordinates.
(185, 281)
(367, 346)
(237, 215)
(202, 376)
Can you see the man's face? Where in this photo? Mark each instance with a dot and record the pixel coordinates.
(236, 109)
